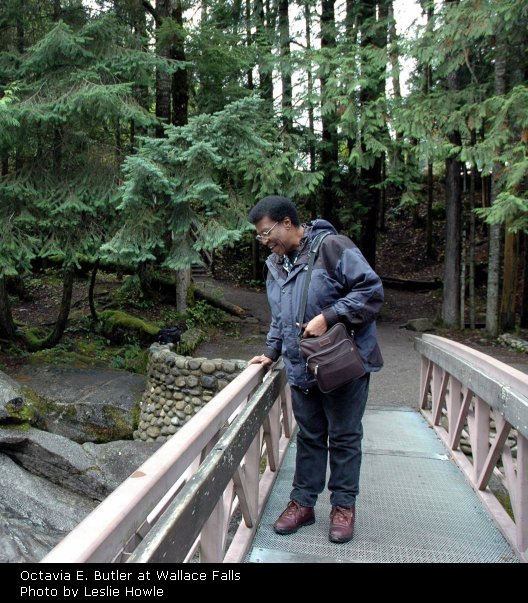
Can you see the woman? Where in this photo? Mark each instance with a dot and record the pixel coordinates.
(343, 288)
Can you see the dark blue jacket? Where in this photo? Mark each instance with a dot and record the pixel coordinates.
(343, 287)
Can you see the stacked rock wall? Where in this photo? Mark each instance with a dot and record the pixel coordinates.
(177, 388)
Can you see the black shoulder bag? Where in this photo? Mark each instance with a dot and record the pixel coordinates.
(332, 357)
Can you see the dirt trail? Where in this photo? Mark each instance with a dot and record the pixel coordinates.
(247, 337)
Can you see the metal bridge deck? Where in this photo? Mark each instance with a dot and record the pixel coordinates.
(415, 505)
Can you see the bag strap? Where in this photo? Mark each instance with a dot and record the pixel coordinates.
(314, 250)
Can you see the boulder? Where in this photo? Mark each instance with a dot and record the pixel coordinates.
(91, 470)
(10, 397)
(49, 484)
(34, 513)
(84, 405)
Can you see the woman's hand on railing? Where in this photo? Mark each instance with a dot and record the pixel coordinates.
(263, 360)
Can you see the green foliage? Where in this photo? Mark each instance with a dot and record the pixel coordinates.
(189, 341)
(463, 40)
(170, 32)
(131, 293)
(131, 358)
(61, 116)
(190, 191)
(217, 63)
(201, 314)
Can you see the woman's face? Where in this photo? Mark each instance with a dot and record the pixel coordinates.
(275, 235)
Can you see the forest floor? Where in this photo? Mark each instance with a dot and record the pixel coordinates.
(401, 254)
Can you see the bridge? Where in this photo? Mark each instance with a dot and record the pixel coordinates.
(445, 483)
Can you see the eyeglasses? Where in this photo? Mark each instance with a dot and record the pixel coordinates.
(265, 235)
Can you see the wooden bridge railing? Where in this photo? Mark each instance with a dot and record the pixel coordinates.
(182, 501)
(464, 393)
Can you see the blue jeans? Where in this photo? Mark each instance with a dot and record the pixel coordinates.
(329, 424)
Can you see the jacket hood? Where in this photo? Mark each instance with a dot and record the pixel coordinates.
(319, 225)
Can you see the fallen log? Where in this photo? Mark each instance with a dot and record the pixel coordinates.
(411, 284)
(162, 283)
(222, 304)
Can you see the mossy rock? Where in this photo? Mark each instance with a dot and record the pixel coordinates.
(116, 426)
(120, 327)
(189, 341)
(34, 409)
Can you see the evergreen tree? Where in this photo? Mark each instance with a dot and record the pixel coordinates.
(196, 184)
(72, 89)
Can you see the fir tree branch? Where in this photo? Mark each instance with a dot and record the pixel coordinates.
(468, 65)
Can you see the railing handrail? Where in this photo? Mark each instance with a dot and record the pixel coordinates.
(121, 517)
(462, 391)
(503, 387)
(184, 519)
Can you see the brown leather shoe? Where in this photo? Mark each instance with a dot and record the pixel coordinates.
(294, 517)
(342, 524)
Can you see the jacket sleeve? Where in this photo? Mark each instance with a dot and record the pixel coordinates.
(274, 337)
(273, 342)
(363, 289)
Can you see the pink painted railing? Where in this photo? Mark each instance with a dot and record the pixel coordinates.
(181, 502)
(461, 392)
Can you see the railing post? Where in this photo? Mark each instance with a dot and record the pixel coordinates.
(436, 388)
(480, 437)
(212, 538)
(454, 405)
(425, 379)
(489, 388)
(522, 493)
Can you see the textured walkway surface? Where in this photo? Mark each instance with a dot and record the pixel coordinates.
(415, 506)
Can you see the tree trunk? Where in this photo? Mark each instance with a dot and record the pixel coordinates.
(91, 289)
(329, 146)
(396, 86)
(180, 82)
(265, 58)
(237, 15)
(141, 92)
(452, 292)
(20, 31)
(471, 282)
(428, 85)
(524, 293)
(383, 198)
(509, 283)
(309, 85)
(495, 230)
(285, 66)
(180, 108)
(463, 280)
(4, 164)
(7, 326)
(370, 178)
(62, 320)
(429, 218)
(177, 90)
(183, 280)
(249, 43)
(163, 79)
(56, 10)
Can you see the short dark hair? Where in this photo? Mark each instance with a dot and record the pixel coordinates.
(275, 207)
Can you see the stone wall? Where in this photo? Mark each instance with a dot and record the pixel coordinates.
(177, 388)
